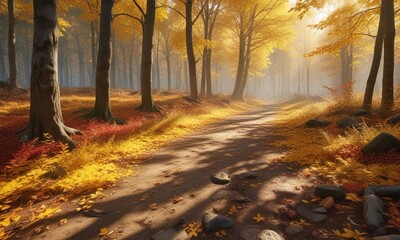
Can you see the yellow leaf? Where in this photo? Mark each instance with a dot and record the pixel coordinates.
(15, 218)
(192, 234)
(6, 222)
(259, 218)
(5, 207)
(62, 221)
(103, 231)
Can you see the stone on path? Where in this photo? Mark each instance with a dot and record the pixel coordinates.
(214, 222)
(325, 190)
(387, 237)
(220, 178)
(373, 212)
(394, 120)
(327, 203)
(317, 123)
(256, 233)
(392, 191)
(348, 122)
(384, 142)
(222, 193)
(170, 234)
(294, 229)
(307, 212)
(248, 176)
(321, 210)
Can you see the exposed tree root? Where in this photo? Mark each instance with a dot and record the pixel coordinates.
(149, 108)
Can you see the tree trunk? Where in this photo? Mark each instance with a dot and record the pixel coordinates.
(369, 91)
(113, 60)
(102, 109)
(240, 69)
(203, 73)
(168, 58)
(158, 64)
(131, 78)
(208, 73)
(45, 117)
(147, 104)
(2, 62)
(388, 65)
(93, 46)
(190, 52)
(12, 62)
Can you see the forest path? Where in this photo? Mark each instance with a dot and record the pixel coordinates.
(239, 144)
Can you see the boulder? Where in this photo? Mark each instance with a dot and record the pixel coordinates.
(336, 192)
(373, 212)
(220, 178)
(307, 212)
(255, 233)
(348, 122)
(384, 191)
(394, 120)
(317, 123)
(327, 203)
(382, 143)
(214, 222)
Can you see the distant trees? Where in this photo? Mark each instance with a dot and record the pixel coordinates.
(45, 115)
(12, 62)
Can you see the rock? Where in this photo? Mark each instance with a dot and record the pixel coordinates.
(387, 191)
(307, 212)
(327, 203)
(359, 112)
(221, 178)
(291, 214)
(222, 193)
(325, 190)
(255, 233)
(387, 237)
(56, 171)
(384, 142)
(394, 120)
(348, 122)
(237, 198)
(373, 212)
(214, 222)
(294, 229)
(248, 176)
(317, 123)
(94, 213)
(170, 234)
(321, 210)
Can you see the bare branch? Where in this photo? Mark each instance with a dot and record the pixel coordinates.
(139, 7)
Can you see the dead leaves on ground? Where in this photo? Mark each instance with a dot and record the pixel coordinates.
(350, 234)
(86, 202)
(259, 218)
(193, 229)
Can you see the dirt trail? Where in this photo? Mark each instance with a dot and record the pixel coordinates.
(238, 144)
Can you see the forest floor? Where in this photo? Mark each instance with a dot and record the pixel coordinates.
(170, 186)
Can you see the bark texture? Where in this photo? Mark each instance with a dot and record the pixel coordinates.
(45, 115)
(12, 62)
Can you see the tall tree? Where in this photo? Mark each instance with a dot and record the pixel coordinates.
(12, 62)
(102, 108)
(45, 115)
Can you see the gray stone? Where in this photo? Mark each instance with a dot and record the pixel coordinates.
(373, 212)
(94, 213)
(294, 229)
(382, 143)
(307, 212)
(222, 193)
(359, 112)
(317, 123)
(237, 198)
(170, 234)
(348, 122)
(214, 222)
(384, 191)
(221, 178)
(248, 176)
(325, 190)
(255, 233)
(387, 237)
(320, 210)
(394, 120)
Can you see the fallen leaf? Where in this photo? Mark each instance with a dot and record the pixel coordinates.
(153, 206)
(62, 221)
(177, 199)
(259, 218)
(103, 231)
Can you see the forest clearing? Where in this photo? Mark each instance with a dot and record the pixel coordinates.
(199, 119)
